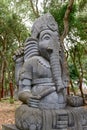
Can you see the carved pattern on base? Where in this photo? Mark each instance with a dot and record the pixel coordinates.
(28, 118)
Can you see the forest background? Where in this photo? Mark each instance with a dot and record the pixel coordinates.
(16, 19)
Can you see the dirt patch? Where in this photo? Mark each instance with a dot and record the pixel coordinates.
(7, 112)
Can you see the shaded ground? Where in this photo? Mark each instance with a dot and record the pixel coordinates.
(7, 112)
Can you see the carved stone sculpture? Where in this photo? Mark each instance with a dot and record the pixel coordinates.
(41, 76)
(42, 80)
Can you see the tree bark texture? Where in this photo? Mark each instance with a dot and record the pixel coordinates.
(66, 20)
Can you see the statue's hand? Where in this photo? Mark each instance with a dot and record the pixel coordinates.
(38, 97)
(33, 101)
(32, 97)
(18, 55)
(66, 83)
(60, 88)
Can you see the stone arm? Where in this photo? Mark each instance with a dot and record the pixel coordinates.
(25, 84)
(25, 78)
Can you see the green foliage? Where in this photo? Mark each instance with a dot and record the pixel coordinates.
(12, 35)
(82, 4)
(24, 9)
(77, 60)
(81, 25)
(78, 29)
(58, 14)
(73, 72)
(57, 9)
(18, 29)
(11, 100)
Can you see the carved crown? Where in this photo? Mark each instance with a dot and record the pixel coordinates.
(46, 21)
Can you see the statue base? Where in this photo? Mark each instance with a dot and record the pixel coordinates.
(9, 127)
(70, 118)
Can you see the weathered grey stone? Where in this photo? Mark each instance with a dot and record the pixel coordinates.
(67, 119)
(75, 101)
(9, 127)
(42, 75)
(42, 79)
(28, 118)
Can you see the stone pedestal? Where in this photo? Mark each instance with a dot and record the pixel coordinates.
(9, 127)
(36, 119)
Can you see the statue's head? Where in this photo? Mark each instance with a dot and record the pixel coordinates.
(45, 29)
(31, 48)
(45, 22)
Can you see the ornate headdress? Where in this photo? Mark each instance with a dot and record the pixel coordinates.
(44, 22)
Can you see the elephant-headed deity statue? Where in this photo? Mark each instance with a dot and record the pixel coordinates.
(42, 77)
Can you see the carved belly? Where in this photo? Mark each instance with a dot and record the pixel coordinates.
(42, 84)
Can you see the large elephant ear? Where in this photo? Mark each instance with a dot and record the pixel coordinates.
(31, 48)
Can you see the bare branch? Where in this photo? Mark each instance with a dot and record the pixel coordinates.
(33, 8)
(66, 20)
(37, 8)
(45, 4)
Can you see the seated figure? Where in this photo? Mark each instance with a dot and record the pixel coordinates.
(42, 82)
(42, 78)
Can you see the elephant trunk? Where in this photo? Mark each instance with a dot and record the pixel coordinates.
(55, 66)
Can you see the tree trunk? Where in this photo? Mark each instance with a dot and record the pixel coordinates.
(81, 77)
(66, 20)
(11, 89)
(64, 34)
(35, 8)
(72, 87)
(0, 89)
(80, 87)
(2, 78)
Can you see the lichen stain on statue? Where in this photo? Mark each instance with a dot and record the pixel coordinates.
(42, 81)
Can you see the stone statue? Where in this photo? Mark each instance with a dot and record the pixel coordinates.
(42, 81)
(41, 76)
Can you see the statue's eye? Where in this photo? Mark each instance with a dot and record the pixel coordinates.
(46, 37)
